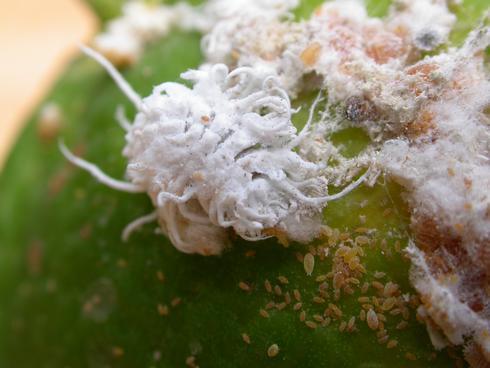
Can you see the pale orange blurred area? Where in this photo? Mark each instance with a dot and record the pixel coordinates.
(37, 40)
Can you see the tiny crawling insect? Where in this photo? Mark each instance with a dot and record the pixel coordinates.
(273, 350)
(309, 263)
(216, 156)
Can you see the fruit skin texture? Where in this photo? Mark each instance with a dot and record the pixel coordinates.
(72, 294)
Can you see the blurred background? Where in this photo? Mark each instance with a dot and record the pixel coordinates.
(37, 39)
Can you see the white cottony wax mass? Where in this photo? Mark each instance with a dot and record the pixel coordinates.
(220, 155)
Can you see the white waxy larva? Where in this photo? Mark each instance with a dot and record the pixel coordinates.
(219, 155)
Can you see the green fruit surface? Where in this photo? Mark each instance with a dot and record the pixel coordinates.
(72, 294)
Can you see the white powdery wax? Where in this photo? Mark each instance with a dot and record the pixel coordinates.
(426, 22)
(341, 49)
(455, 319)
(218, 156)
(446, 167)
(246, 28)
(365, 57)
(125, 37)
